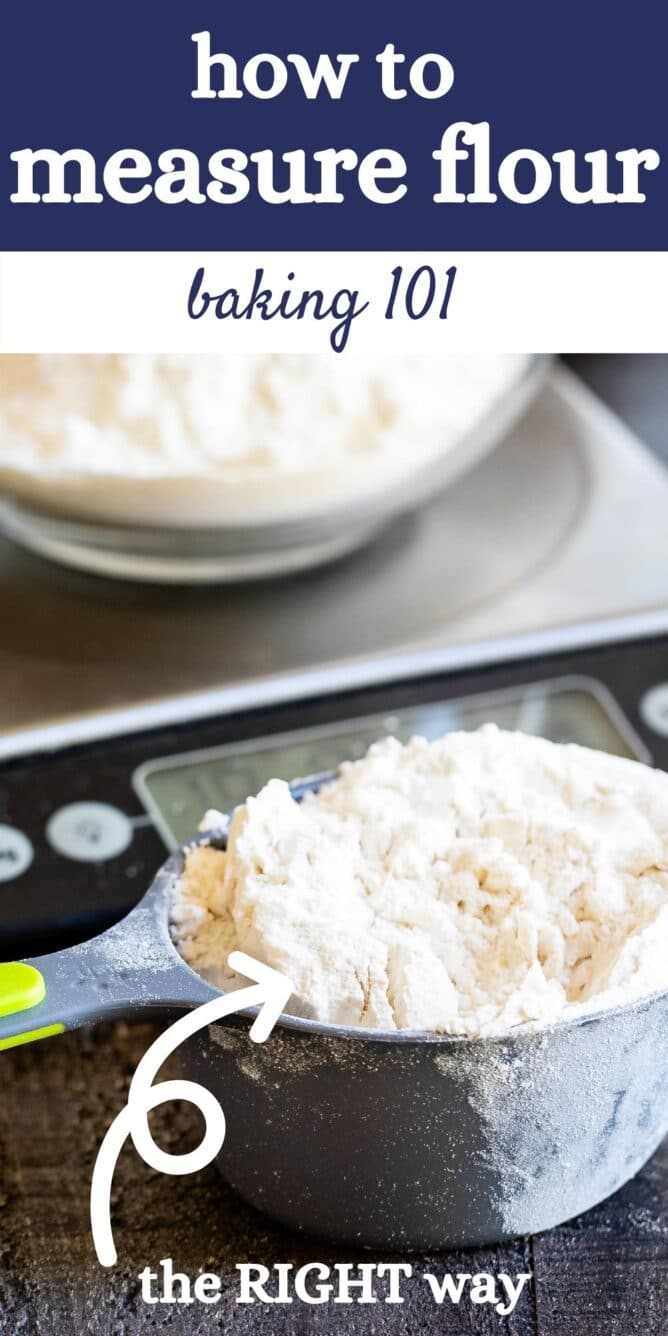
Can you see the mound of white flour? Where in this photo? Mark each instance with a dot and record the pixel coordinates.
(154, 414)
(190, 440)
(463, 886)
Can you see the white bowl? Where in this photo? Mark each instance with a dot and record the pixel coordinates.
(177, 528)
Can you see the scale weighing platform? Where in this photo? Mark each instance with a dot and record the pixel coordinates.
(564, 522)
(84, 827)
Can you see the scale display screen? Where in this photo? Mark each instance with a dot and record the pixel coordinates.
(177, 790)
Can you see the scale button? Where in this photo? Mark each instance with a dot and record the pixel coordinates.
(16, 853)
(654, 708)
(89, 832)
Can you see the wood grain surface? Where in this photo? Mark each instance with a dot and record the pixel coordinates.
(604, 1274)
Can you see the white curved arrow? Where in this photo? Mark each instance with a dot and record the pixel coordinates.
(270, 992)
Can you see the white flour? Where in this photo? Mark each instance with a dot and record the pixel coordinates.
(463, 886)
(202, 439)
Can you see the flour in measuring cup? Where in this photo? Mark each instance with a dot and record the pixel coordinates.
(462, 886)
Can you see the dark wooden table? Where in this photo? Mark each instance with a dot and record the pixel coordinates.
(604, 1274)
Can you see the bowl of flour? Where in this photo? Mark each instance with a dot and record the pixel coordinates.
(197, 467)
(477, 933)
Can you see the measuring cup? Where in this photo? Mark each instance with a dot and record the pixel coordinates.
(394, 1139)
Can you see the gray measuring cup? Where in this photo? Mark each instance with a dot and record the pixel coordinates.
(396, 1140)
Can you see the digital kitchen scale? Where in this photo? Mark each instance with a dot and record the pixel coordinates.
(533, 592)
(84, 827)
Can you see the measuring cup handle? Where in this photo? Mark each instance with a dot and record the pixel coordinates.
(128, 968)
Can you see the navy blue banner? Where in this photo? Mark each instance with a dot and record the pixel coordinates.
(548, 122)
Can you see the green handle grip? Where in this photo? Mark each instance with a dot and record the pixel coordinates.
(22, 987)
(133, 967)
